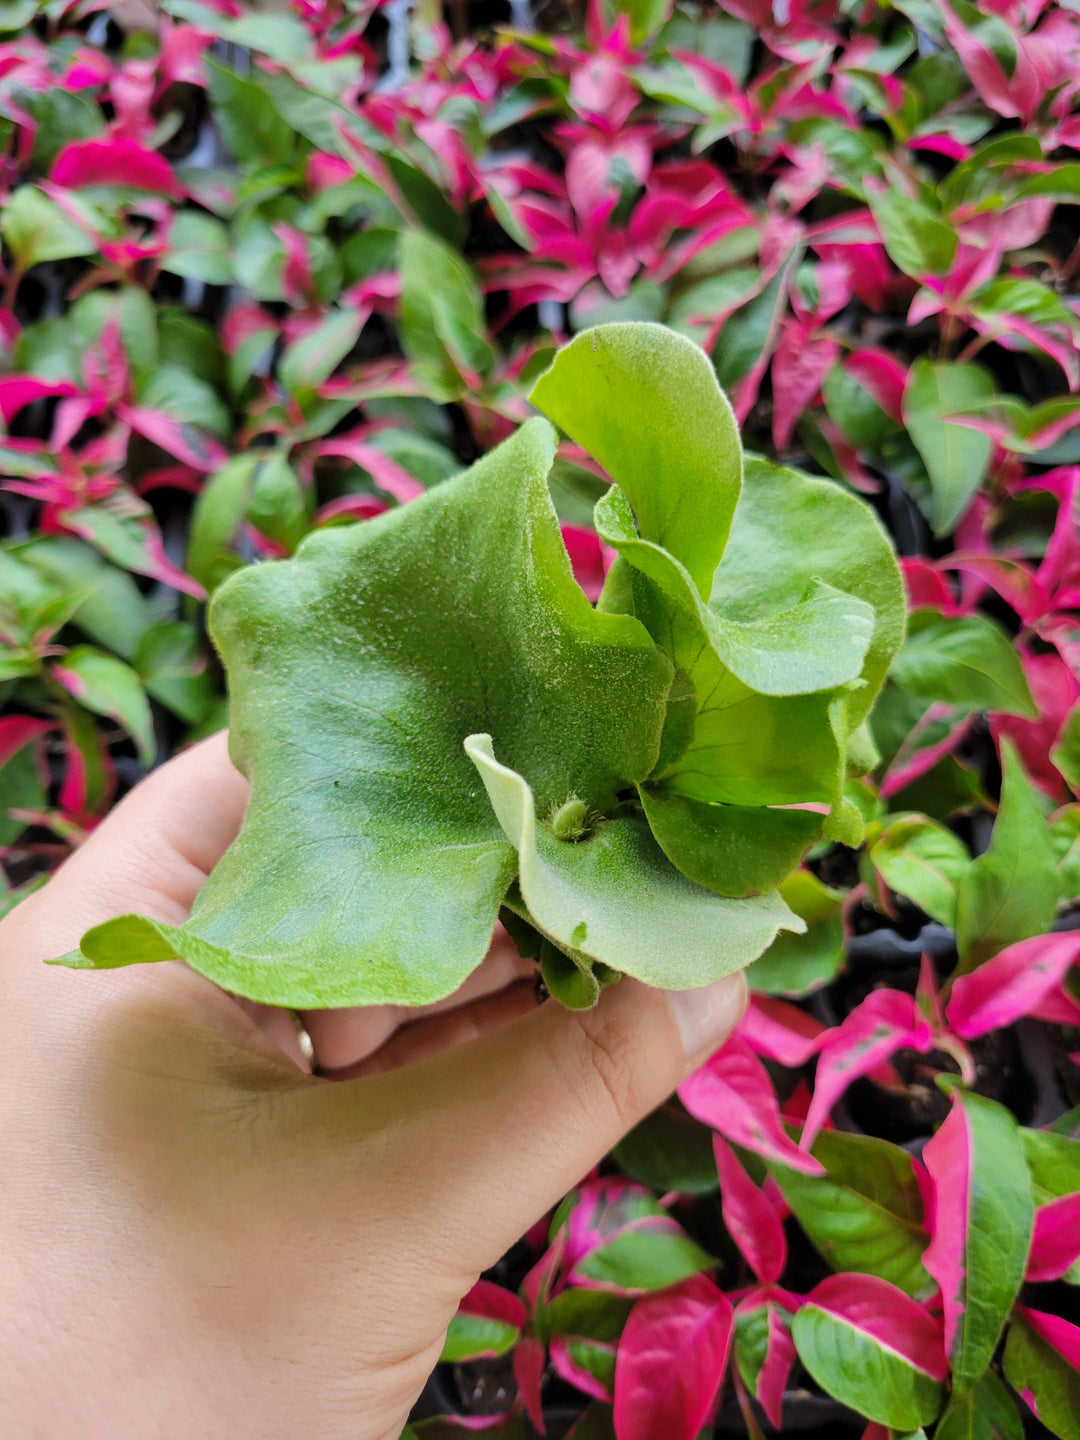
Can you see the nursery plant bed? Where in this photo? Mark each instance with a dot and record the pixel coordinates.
(361, 241)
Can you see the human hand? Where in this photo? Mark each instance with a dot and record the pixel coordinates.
(199, 1237)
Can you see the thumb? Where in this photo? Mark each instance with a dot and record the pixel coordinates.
(502, 1127)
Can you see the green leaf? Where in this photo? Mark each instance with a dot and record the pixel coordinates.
(919, 241)
(670, 1150)
(595, 1314)
(108, 686)
(219, 510)
(984, 1225)
(732, 849)
(308, 362)
(471, 1337)
(819, 643)
(854, 410)
(796, 965)
(746, 334)
(861, 1372)
(441, 316)
(422, 457)
(22, 787)
(199, 248)
(1054, 1162)
(61, 116)
(623, 392)
(956, 457)
(791, 529)
(283, 37)
(966, 661)
(1034, 1368)
(866, 1212)
(642, 1257)
(692, 313)
(186, 398)
(35, 229)
(389, 661)
(132, 310)
(17, 14)
(279, 506)
(615, 898)
(1065, 838)
(924, 861)
(985, 1413)
(1011, 891)
(646, 16)
(171, 663)
(724, 661)
(33, 604)
(251, 124)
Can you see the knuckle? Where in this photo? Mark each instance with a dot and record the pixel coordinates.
(610, 1063)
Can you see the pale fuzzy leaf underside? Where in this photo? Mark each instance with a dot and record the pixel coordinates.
(614, 897)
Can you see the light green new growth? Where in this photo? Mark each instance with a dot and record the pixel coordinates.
(436, 722)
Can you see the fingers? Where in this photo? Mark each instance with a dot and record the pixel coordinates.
(444, 1029)
(501, 1128)
(343, 1039)
(152, 853)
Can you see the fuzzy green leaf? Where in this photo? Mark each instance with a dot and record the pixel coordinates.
(370, 866)
(790, 530)
(614, 897)
(624, 393)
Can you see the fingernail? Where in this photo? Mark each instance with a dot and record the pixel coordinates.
(706, 1017)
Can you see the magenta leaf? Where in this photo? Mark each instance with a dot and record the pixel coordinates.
(17, 391)
(981, 1226)
(1055, 1243)
(751, 1218)
(886, 1021)
(193, 446)
(114, 161)
(1011, 985)
(780, 1031)
(529, 1367)
(732, 1092)
(874, 1348)
(671, 1362)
